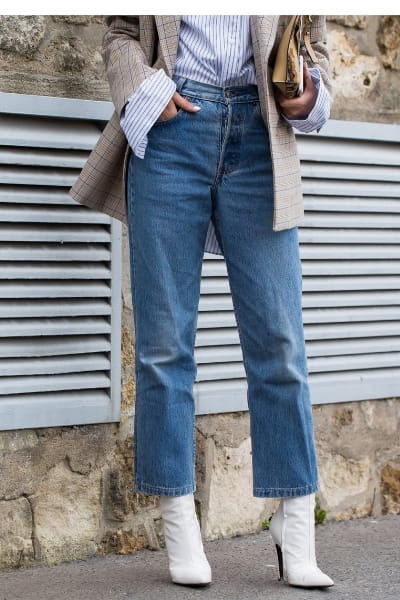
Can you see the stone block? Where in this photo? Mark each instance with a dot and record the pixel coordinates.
(16, 548)
(67, 510)
(72, 19)
(357, 21)
(71, 55)
(390, 488)
(21, 34)
(122, 542)
(346, 485)
(388, 39)
(354, 75)
(225, 490)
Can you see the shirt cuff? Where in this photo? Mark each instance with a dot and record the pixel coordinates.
(143, 109)
(321, 110)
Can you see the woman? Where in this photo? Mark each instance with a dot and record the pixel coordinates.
(207, 151)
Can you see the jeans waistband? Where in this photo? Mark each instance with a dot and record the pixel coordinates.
(207, 91)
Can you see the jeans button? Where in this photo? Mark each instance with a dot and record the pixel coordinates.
(229, 93)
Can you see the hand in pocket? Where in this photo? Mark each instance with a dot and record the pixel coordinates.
(177, 102)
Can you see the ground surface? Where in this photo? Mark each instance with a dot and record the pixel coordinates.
(362, 556)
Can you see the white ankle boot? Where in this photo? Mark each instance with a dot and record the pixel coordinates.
(292, 529)
(188, 564)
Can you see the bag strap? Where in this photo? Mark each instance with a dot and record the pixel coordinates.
(305, 36)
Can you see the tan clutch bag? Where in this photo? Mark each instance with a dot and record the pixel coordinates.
(287, 73)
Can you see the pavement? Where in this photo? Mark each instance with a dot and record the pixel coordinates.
(362, 556)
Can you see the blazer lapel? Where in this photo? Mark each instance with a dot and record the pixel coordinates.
(263, 31)
(168, 35)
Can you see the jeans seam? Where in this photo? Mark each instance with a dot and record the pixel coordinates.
(285, 491)
(153, 489)
(133, 291)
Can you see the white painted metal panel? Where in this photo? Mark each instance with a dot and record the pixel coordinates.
(60, 271)
(350, 253)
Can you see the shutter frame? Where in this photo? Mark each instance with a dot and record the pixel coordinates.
(60, 270)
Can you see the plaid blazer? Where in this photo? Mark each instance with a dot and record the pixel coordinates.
(133, 48)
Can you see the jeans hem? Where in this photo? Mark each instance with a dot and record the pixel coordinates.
(285, 492)
(164, 491)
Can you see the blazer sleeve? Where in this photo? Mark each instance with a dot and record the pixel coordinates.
(126, 63)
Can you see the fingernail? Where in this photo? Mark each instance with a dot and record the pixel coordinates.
(196, 108)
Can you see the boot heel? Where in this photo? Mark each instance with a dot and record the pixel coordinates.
(280, 561)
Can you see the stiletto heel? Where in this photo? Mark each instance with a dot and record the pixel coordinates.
(293, 531)
(280, 561)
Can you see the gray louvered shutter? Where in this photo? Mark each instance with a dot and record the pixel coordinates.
(59, 270)
(351, 266)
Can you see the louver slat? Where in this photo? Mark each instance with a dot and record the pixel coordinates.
(341, 349)
(38, 176)
(316, 284)
(350, 253)
(49, 253)
(220, 302)
(49, 308)
(235, 370)
(54, 346)
(39, 195)
(59, 274)
(210, 320)
(41, 383)
(60, 270)
(351, 205)
(57, 289)
(26, 132)
(54, 326)
(319, 267)
(51, 365)
(35, 214)
(336, 171)
(45, 158)
(43, 233)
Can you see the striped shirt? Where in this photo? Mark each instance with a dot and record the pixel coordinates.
(213, 49)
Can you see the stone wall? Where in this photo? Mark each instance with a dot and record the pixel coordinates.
(365, 64)
(67, 492)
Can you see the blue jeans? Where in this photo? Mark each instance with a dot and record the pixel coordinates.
(215, 164)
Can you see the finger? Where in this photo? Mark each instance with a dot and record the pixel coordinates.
(169, 111)
(184, 103)
(307, 76)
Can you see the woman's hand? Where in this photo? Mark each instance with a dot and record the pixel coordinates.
(301, 106)
(177, 101)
